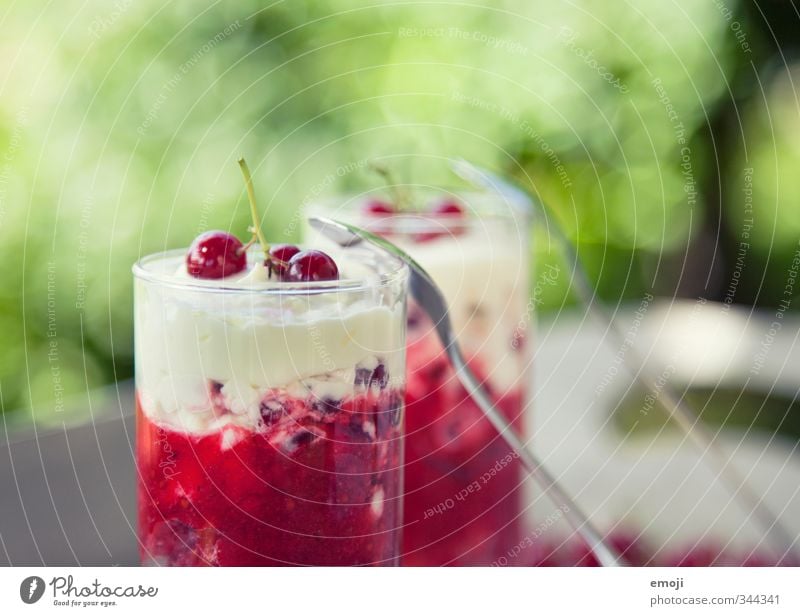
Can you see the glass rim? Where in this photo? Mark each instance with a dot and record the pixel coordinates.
(140, 271)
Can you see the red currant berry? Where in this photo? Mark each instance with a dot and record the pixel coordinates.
(215, 254)
(279, 257)
(448, 208)
(311, 265)
(376, 207)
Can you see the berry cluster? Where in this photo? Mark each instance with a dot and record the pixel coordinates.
(379, 207)
(447, 212)
(217, 254)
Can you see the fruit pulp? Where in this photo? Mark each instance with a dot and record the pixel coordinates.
(317, 483)
(463, 484)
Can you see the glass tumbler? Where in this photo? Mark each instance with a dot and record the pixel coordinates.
(463, 486)
(270, 416)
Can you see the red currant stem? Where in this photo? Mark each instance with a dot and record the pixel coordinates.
(251, 195)
(401, 197)
(244, 248)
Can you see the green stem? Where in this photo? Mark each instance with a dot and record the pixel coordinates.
(251, 195)
(401, 197)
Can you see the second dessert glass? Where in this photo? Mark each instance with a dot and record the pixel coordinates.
(463, 485)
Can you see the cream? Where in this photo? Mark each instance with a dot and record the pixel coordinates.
(309, 345)
(483, 276)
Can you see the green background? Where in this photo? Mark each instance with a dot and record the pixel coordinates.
(120, 125)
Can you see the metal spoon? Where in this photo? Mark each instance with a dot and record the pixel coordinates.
(430, 299)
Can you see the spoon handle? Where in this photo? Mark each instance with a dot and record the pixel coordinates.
(605, 555)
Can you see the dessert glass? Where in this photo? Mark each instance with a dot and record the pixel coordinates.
(463, 486)
(270, 414)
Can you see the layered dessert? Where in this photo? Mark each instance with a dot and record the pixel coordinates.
(463, 485)
(269, 392)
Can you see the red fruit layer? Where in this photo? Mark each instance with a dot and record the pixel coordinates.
(319, 483)
(463, 499)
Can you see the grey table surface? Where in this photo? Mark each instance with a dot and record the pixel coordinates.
(68, 494)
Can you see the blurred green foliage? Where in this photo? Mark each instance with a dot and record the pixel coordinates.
(120, 125)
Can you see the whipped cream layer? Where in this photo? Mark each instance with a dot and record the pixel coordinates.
(483, 274)
(195, 345)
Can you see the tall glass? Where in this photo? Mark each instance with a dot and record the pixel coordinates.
(463, 498)
(270, 415)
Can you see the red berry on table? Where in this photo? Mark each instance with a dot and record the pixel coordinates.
(376, 207)
(215, 254)
(311, 266)
(279, 257)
